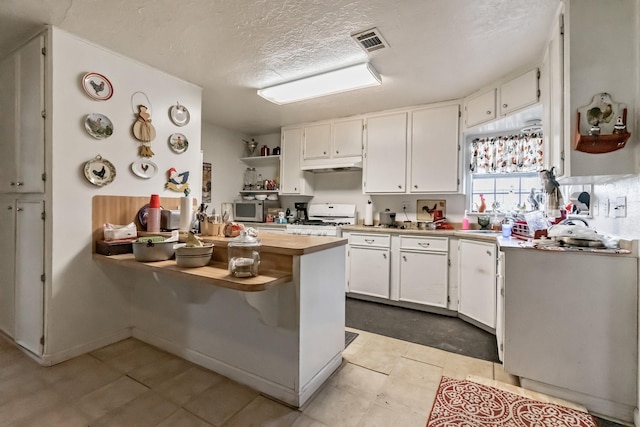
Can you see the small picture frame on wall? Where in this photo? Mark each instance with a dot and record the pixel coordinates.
(206, 182)
(431, 210)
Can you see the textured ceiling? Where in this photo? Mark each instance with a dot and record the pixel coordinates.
(439, 50)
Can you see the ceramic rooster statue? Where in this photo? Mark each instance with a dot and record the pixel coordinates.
(483, 204)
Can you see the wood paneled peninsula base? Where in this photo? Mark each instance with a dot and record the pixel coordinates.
(281, 333)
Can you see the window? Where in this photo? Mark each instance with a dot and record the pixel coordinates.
(506, 192)
(504, 172)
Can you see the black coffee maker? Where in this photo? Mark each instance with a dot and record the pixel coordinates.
(301, 211)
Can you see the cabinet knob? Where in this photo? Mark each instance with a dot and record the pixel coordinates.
(369, 241)
(324, 152)
(505, 105)
(488, 112)
(384, 256)
(18, 183)
(337, 152)
(489, 253)
(19, 210)
(12, 184)
(404, 257)
(424, 244)
(415, 186)
(399, 186)
(9, 208)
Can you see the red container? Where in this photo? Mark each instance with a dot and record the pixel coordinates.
(154, 202)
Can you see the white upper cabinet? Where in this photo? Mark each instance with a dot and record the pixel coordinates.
(317, 141)
(22, 122)
(333, 144)
(347, 138)
(292, 179)
(503, 98)
(386, 154)
(519, 92)
(434, 149)
(480, 108)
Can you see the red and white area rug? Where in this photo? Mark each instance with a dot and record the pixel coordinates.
(466, 403)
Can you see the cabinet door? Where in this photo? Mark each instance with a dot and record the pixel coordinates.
(434, 150)
(29, 270)
(481, 108)
(552, 101)
(519, 92)
(424, 278)
(22, 124)
(7, 260)
(369, 271)
(347, 138)
(386, 154)
(292, 178)
(317, 141)
(478, 281)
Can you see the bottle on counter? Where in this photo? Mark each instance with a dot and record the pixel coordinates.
(153, 214)
(465, 221)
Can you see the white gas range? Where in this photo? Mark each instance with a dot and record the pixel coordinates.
(325, 219)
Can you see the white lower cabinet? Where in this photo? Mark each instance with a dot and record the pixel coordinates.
(477, 281)
(369, 264)
(22, 266)
(423, 270)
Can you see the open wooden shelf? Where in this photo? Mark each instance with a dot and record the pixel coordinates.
(598, 144)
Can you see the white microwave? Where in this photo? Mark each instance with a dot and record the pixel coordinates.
(252, 210)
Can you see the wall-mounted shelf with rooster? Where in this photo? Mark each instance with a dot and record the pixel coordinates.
(601, 126)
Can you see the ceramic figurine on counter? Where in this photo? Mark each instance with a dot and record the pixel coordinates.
(552, 188)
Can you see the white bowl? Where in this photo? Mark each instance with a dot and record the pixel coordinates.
(148, 251)
(261, 197)
(272, 197)
(248, 197)
(197, 256)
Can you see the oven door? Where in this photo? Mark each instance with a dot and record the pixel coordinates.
(248, 210)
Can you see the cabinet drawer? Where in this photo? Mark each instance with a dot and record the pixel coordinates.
(375, 240)
(424, 243)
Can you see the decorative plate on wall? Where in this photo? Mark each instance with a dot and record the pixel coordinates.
(178, 143)
(179, 115)
(144, 168)
(98, 126)
(99, 171)
(97, 86)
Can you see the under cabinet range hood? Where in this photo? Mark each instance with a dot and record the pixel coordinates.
(355, 165)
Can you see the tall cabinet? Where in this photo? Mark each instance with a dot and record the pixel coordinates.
(22, 186)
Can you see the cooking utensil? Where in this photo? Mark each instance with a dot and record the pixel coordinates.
(387, 218)
(148, 251)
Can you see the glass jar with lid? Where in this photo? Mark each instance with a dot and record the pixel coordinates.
(250, 178)
(244, 255)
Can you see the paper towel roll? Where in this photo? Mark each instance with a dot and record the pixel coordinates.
(368, 214)
(186, 213)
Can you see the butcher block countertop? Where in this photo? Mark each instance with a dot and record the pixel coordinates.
(215, 273)
(285, 244)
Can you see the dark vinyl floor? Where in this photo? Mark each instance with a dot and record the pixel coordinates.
(434, 330)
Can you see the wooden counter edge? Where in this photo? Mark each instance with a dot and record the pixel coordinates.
(302, 245)
(213, 274)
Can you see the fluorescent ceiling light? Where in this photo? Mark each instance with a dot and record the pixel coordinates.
(342, 80)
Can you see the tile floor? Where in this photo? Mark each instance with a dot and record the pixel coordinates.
(382, 382)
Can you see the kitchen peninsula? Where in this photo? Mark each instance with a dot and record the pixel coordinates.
(281, 333)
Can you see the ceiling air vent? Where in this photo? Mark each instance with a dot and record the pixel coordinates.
(370, 40)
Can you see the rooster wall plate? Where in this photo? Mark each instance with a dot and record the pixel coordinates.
(99, 171)
(97, 86)
(144, 168)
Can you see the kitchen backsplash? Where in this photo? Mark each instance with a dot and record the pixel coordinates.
(629, 226)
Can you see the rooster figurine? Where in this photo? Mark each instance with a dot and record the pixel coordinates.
(483, 204)
(177, 181)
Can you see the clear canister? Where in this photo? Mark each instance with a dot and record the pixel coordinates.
(250, 178)
(244, 255)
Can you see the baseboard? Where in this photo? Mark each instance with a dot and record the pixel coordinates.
(477, 324)
(55, 358)
(615, 411)
(263, 385)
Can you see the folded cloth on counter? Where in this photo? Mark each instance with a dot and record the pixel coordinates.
(117, 232)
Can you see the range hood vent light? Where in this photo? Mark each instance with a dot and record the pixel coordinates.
(370, 40)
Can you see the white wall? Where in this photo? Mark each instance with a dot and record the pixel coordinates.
(223, 149)
(86, 305)
(628, 227)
